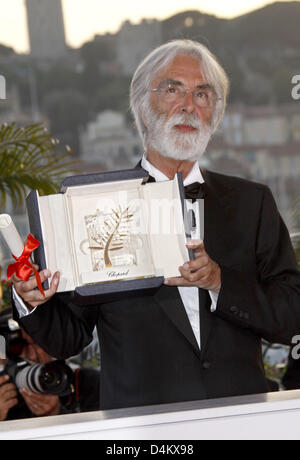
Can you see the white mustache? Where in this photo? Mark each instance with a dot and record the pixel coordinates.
(183, 119)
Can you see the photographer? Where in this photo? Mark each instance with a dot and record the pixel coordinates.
(18, 403)
(8, 396)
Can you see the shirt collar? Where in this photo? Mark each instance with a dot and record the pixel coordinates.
(193, 176)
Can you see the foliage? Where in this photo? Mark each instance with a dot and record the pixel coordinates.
(275, 357)
(100, 49)
(5, 296)
(30, 158)
(275, 372)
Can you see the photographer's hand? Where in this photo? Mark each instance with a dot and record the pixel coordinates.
(8, 396)
(41, 404)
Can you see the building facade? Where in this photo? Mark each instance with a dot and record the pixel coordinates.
(262, 144)
(110, 143)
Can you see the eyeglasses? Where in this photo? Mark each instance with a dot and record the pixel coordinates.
(203, 97)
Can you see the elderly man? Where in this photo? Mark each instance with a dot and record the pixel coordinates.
(200, 335)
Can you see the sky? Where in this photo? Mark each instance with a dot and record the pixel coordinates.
(85, 18)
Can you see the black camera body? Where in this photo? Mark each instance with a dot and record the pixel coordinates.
(55, 377)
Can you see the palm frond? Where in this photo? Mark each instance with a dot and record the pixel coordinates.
(30, 158)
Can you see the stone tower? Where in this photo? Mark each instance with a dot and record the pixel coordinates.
(46, 29)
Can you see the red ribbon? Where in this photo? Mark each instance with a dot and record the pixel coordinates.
(23, 267)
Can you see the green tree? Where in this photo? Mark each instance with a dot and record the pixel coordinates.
(30, 158)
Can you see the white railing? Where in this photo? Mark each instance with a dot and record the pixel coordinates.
(265, 416)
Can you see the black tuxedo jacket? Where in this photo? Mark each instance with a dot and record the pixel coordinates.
(149, 354)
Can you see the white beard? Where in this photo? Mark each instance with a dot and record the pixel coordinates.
(163, 137)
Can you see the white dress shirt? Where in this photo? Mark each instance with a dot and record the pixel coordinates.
(189, 295)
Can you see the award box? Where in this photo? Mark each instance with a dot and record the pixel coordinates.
(110, 234)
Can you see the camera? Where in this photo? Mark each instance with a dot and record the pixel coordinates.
(54, 378)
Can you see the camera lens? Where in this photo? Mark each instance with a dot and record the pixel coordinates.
(28, 377)
(51, 378)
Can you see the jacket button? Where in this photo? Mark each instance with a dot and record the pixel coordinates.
(234, 309)
(206, 364)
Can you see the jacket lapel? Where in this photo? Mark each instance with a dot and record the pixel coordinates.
(219, 213)
(218, 209)
(170, 301)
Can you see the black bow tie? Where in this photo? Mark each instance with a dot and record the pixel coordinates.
(193, 191)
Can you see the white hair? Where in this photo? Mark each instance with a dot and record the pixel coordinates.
(161, 58)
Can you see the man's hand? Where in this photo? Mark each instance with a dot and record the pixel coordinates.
(41, 404)
(201, 272)
(28, 292)
(8, 396)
